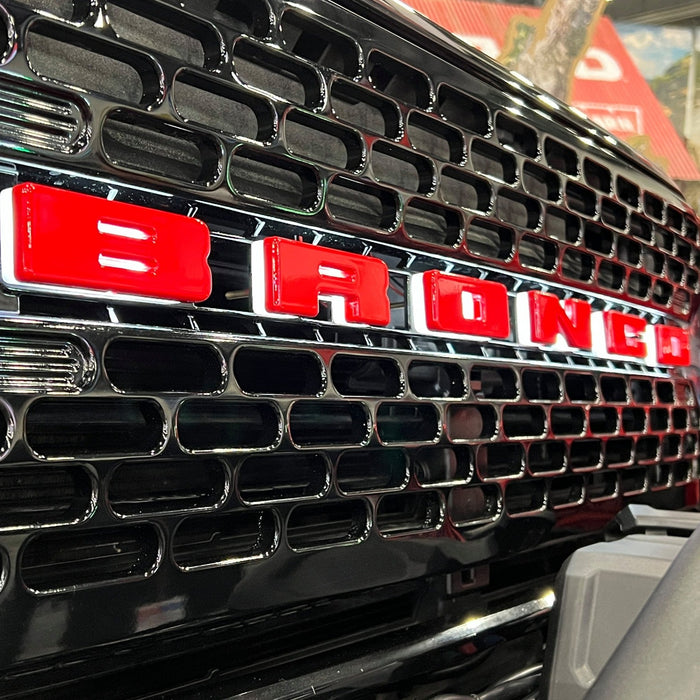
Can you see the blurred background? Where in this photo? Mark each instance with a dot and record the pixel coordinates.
(632, 66)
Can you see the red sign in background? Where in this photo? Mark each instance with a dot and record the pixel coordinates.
(607, 85)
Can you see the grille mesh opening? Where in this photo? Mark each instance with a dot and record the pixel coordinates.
(328, 423)
(462, 109)
(99, 427)
(55, 562)
(580, 199)
(523, 421)
(537, 253)
(601, 486)
(490, 240)
(365, 471)
(500, 460)
(245, 16)
(516, 135)
(581, 387)
(514, 208)
(364, 108)
(398, 80)
(614, 389)
(524, 497)
(465, 190)
(633, 420)
(435, 379)
(402, 168)
(560, 157)
(541, 182)
(407, 422)
(443, 465)
(585, 454)
(365, 376)
(471, 422)
(577, 265)
(627, 191)
(495, 383)
(547, 456)
(328, 524)
(281, 372)
(406, 513)
(494, 162)
(566, 491)
(567, 420)
(618, 452)
(213, 540)
(474, 505)
(267, 478)
(163, 486)
(431, 223)
(434, 137)
(361, 203)
(206, 425)
(602, 420)
(597, 176)
(138, 365)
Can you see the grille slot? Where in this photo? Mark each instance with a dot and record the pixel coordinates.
(407, 422)
(472, 422)
(365, 109)
(602, 420)
(562, 225)
(544, 457)
(465, 190)
(328, 423)
(577, 265)
(601, 486)
(585, 454)
(36, 118)
(500, 460)
(581, 387)
(57, 428)
(365, 471)
(524, 497)
(402, 168)
(493, 383)
(328, 524)
(268, 478)
(135, 141)
(262, 371)
(537, 253)
(366, 376)
(76, 58)
(634, 420)
(567, 421)
(542, 386)
(566, 491)
(490, 240)
(434, 137)
(208, 541)
(66, 9)
(443, 465)
(597, 176)
(164, 486)
(641, 391)
(523, 421)
(435, 379)
(514, 134)
(208, 425)
(618, 452)
(137, 365)
(398, 80)
(361, 203)
(462, 109)
(474, 505)
(614, 389)
(431, 223)
(494, 162)
(162, 28)
(560, 157)
(514, 208)
(279, 181)
(57, 562)
(221, 106)
(405, 513)
(633, 481)
(541, 182)
(32, 496)
(245, 16)
(580, 199)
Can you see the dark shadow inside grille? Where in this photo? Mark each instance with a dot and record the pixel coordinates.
(665, 392)
(562, 225)
(567, 420)
(653, 206)
(598, 238)
(577, 265)
(407, 422)
(206, 425)
(541, 182)
(640, 227)
(431, 223)
(523, 421)
(162, 486)
(164, 29)
(662, 293)
(681, 472)
(434, 137)
(613, 214)
(154, 366)
(681, 302)
(361, 203)
(66, 560)
(33, 496)
(213, 540)
(524, 496)
(541, 386)
(658, 419)
(280, 181)
(633, 481)
(516, 135)
(358, 375)
(602, 420)
(679, 418)
(219, 105)
(628, 251)
(245, 16)
(580, 199)
(328, 423)
(492, 161)
(465, 190)
(398, 80)
(443, 465)
(285, 372)
(363, 471)
(633, 420)
(580, 387)
(82, 427)
(494, 383)
(35, 305)
(516, 209)
(327, 524)
(537, 253)
(80, 59)
(638, 285)
(405, 513)
(618, 451)
(463, 110)
(690, 444)
(364, 109)
(500, 460)
(547, 456)
(143, 143)
(601, 486)
(691, 229)
(663, 238)
(674, 270)
(560, 157)
(230, 266)
(281, 477)
(72, 10)
(322, 140)
(611, 276)
(490, 240)
(277, 73)
(670, 445)
(401, 168)
(435, 379)
(474, 505)
(674, 218)
(584, 454)
(318, 43)
(471, 422)
(596, 175)
(647, 448)
(659, 475)
(684, 250)
(565, 491)
(614, 389)
(641, 391)
(627, 191)
(289, 331)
